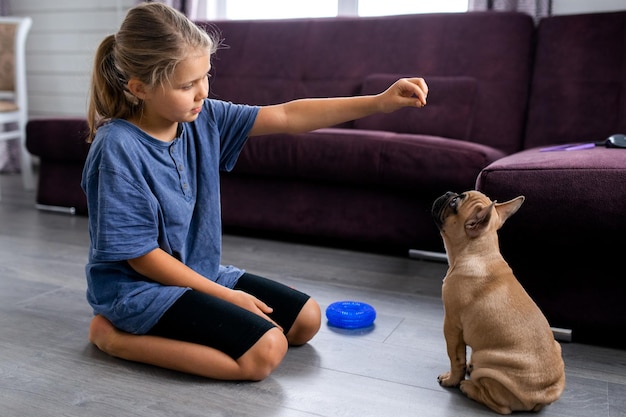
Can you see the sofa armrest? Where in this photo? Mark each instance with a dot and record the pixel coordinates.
(62, 139)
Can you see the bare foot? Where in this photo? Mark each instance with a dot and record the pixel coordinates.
(101, 333)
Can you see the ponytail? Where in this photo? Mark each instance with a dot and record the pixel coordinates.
(109, 97)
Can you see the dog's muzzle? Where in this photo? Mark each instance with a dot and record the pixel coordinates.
(448, 200)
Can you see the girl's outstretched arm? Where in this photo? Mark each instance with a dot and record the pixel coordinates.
(309, 114)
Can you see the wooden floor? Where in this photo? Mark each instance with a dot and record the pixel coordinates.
(47, 367)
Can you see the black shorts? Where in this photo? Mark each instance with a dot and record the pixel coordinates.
(200, 318)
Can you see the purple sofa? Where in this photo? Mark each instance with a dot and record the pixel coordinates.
(372, 182)
(565, 242)
(499, 89)
(60, 145)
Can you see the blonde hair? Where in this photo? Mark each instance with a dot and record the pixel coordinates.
(151, 41)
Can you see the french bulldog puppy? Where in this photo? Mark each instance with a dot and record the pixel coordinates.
(515, 362)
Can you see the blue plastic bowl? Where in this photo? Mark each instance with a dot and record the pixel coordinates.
(350, 314)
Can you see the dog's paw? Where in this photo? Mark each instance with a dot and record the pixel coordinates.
(446, 380)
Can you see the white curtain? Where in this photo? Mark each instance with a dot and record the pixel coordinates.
(536, 8)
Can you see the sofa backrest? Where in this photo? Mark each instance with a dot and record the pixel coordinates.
(578, 90)
(479, 64)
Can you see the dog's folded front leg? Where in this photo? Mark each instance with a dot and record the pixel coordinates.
(457, 353)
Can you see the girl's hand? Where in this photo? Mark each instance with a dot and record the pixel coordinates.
(252, 304)
(406, 92)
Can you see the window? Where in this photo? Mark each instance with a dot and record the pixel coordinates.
(389, 7)
(285, 9)
(279, 9)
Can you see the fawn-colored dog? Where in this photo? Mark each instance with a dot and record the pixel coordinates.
(515, 363)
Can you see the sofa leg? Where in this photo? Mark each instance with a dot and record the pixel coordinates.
(57, 209)
(428, 255)
(562, 335)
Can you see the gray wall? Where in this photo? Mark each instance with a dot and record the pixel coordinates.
(60, 48)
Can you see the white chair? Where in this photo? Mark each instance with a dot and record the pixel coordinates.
(13, 94)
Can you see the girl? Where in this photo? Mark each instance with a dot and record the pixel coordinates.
(158, 291)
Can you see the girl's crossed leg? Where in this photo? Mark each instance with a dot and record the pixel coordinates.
(207, 336)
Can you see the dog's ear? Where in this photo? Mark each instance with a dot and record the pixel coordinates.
(508, 208)
(476, 223)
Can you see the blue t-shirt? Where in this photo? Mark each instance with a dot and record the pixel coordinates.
(143, 194)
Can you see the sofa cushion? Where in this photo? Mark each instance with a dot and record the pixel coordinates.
(448, 113)
(566, 185)
(325, 57)
(368, 158)
(579, 82)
